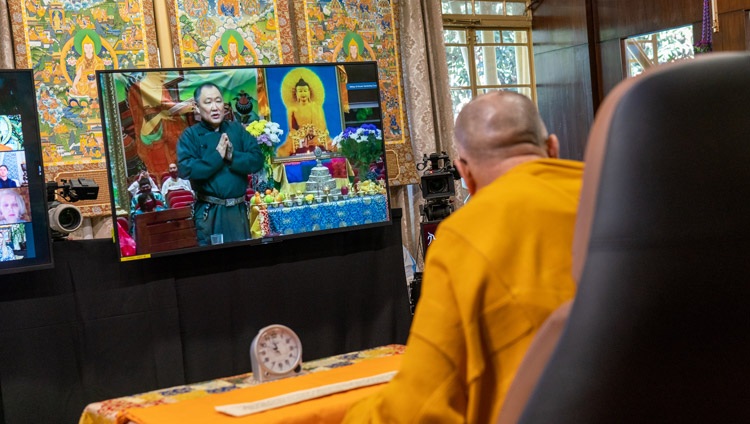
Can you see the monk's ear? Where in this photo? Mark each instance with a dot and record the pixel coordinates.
(553, 146)
(468, 178)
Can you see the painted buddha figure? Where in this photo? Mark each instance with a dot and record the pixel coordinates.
(84, 83)
(233, 57)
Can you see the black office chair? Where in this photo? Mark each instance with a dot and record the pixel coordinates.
(660, 327)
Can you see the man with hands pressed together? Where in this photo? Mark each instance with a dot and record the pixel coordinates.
(497, 268)
(217, 156)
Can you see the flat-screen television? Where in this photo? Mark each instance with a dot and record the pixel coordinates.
(203, 158)
(25, 242)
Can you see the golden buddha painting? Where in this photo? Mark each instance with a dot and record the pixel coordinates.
(311, 117)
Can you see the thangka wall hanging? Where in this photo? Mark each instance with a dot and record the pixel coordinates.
(66, 42)
(230, 32)
(362, 30)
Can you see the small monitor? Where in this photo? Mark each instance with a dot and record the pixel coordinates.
(24, 225)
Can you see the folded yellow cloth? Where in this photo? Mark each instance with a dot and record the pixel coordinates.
(328, 409)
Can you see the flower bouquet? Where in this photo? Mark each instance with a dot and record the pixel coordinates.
(361, 146)
(268, 135)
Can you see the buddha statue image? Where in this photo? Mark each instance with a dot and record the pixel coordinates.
(303, 95)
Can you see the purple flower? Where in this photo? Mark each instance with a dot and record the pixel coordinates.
(264, 139)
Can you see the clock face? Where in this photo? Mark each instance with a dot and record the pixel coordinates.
(278, 349)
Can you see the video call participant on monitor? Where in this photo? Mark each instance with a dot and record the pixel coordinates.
(6, 182)
(216, 156)
(12, 207)
(497, 268)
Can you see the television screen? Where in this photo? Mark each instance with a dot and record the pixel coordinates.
(24, 224)
(208, 157)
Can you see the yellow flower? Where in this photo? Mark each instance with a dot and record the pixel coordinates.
(256, 127)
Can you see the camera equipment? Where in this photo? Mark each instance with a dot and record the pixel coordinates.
(437, 186)
(73, 190)
(65, 218)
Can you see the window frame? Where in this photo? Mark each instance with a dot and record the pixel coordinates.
(472, 24)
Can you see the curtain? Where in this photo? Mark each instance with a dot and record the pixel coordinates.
(6, 42)
(427, 100)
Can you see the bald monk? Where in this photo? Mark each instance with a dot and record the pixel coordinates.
(497, 268)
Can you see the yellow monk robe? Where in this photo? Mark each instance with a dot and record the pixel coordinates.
(497, 268)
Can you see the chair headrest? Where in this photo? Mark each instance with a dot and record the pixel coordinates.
(659, 330)
(668, 153)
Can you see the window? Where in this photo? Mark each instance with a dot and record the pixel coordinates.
(488, 47)
(644, 51)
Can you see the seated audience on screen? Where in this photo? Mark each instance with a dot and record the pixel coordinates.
(496, 269)
(135, 186)
(146, 200)
(217, 155)
(5, 181)
(12, 207)
(174, 182)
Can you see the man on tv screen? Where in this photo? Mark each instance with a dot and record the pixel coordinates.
(6, 182)
(217, 156)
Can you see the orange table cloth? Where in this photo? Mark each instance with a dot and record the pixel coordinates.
(109, 411)
(327, 409)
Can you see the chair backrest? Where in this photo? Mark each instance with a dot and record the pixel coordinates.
(180, 192)
(660, 327)
(181, 204)
(181, 198)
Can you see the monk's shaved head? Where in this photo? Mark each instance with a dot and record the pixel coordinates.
(500, 124)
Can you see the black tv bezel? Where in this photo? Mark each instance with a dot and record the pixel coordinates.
(249, 242)
(37, 184)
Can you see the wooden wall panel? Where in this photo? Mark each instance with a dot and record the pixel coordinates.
(611, 67)
(559, 24)
(563, 72)
(565, 100)
(564, 28)
(623, 18)
(731, 5)
(733, 31)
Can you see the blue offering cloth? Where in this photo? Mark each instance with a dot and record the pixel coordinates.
(326, 216)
